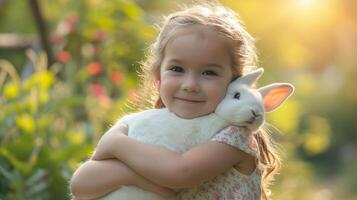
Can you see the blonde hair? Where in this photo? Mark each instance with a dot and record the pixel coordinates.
(244, 59)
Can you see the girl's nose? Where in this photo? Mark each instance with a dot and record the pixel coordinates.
(190, 84)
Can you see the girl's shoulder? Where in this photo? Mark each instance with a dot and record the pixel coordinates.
(240, 138)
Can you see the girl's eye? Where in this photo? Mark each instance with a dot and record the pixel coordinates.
(176, 69)
(209, 73)
(237, 95)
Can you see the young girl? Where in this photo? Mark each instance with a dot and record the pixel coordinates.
(198, 52)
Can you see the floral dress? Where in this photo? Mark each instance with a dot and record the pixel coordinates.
(231, 185)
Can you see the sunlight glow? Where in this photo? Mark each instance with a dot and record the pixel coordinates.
(313, 14)
(307, 4)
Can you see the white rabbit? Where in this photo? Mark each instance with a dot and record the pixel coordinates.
(242, 106)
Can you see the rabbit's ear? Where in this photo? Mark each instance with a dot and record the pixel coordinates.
(275, 94)
(251, 77)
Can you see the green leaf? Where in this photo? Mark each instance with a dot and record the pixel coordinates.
(22, 166)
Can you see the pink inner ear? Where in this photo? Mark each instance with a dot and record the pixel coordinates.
(276, 97)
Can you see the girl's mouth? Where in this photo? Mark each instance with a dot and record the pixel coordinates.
(189, 100)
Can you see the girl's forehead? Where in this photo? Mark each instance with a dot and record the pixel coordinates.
(198, 44)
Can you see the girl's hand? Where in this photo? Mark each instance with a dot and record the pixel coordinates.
(108, 142)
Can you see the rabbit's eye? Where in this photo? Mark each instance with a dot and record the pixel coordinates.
(237, 95)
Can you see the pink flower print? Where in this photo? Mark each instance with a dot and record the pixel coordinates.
(237, 186)
(224, 139)
(230, 195)
(255, 195)
(218, 196)
(232, 130)
(253, 144)
(245, 197)
(227, 182)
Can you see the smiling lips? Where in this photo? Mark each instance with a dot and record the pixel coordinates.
(189, 100)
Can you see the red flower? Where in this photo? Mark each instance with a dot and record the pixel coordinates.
(116, 77)
(105, 101)
(72, 21)
(55, 38)
(68, 25)
(73, 18)
(63, 56)
(100, 35)
(94, 68)
(97, 89)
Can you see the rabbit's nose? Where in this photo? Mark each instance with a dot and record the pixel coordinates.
(255, 113)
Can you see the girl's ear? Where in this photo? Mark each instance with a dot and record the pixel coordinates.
(157, 76)
(157, 80)
(275, 94)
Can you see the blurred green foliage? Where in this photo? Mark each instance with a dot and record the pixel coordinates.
(52, 115)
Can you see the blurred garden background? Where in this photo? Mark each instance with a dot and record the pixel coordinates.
(67, 69)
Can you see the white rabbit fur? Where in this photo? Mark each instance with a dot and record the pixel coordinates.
(163, 128)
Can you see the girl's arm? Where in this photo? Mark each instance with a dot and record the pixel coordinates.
(166, 167)
(94, 179)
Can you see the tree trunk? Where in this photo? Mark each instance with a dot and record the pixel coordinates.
(41, 26)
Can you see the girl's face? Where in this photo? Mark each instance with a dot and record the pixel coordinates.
(195, 71)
